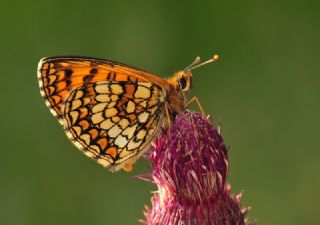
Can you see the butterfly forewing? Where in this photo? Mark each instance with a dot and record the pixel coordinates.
(58, 76)
(110, 111)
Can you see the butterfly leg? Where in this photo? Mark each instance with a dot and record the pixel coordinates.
(166, 106)
(195, 99)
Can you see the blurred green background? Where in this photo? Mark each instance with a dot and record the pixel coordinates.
(265, 90)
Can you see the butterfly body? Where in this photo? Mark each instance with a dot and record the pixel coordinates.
(109, 110)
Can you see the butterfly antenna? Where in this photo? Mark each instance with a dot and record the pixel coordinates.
(195, 62)
(214, 58)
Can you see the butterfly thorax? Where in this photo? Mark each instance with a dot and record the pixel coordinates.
(176, 100)
(180, 84)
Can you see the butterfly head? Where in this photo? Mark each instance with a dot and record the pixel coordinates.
(183, 79)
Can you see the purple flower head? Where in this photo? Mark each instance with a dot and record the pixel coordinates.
(190, 167)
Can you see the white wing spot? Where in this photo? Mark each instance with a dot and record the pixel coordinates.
(114, 131)
(143, 117)
(146, 84)
(123, 123)
(74, 115)
(97, 118)
(116, 89)
(111, 104)
(121, 141)
(130, 107)
(114, 98)
(78, 94)
(107, 124)
(111, 112)
(103, 98)
(143, 103)
(102, 88)
(133, 145)
(141, 134)
(77, 129)
(115, 119)
(142, 92)
(76, 104)
(129, 131)
(86, 138)
(99, 107)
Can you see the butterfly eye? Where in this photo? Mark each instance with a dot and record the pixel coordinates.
(183, 83)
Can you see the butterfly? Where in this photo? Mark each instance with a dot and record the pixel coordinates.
(109, 110)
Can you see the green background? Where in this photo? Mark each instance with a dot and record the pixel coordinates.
(265, 90)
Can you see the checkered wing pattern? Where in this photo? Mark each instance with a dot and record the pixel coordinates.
(112, 121)
(110, 111)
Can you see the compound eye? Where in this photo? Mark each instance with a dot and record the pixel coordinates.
(183, 83)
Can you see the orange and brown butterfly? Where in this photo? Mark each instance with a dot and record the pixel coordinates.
(109, 110)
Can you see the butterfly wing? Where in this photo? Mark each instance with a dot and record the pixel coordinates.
(110, 111)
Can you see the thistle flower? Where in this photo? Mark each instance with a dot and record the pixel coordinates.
(190, 167)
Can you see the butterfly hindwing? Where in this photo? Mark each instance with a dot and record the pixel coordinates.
(113, 121)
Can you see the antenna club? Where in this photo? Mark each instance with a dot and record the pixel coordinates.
(215, 57)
